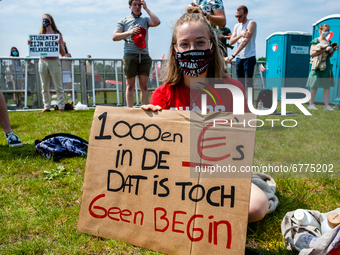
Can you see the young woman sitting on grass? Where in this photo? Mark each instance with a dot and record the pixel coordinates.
(194, 52)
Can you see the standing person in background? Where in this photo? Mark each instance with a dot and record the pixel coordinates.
(134, 31)
(321, 77)
(97, 77)
(12, 139)
(51, 66)
(244, 35)
(213, 10)
(17, 79)
(224, 34)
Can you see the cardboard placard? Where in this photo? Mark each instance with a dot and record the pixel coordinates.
(43, 45)
(138, 187)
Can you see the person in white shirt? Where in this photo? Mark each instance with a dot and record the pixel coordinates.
(244, 35)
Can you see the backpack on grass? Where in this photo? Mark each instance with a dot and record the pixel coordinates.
(308, 240)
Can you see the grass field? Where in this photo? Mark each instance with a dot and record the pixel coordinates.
(40, 199)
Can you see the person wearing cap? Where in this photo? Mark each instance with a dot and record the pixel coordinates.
(133, 29)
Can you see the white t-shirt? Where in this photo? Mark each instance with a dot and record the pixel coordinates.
(250, 49)
(126, 24)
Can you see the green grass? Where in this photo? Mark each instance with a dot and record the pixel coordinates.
(38, 215)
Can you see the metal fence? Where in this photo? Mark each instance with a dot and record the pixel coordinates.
(90, 81)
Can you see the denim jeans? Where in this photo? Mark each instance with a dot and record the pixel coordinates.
(245, 70)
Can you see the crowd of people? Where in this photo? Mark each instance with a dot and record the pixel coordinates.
(134, 30)
(198, 49)
(195, 51)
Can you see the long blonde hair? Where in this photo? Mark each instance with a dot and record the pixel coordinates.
(171, 73)
(54, 27)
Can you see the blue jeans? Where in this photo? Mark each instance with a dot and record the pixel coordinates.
(245, 70)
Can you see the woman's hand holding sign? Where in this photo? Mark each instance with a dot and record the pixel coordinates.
(151, 107)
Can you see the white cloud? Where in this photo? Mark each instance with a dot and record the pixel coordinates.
(87, 25)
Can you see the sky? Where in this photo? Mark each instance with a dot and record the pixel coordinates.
(87, 25)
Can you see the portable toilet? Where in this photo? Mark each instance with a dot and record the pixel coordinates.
(334, 36)
(287, 61)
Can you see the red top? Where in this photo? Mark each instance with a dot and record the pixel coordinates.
(177, 97)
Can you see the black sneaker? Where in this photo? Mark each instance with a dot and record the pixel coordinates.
(13, 140)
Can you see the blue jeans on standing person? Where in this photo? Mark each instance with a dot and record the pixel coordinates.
(245, 71)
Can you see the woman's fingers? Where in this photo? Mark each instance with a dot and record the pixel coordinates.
(151, 107)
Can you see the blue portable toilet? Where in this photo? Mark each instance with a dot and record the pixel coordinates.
(334, 23)
(287, 61)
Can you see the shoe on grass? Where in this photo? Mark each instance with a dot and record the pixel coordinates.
(312, 107)
(328, 108)
(13, 140)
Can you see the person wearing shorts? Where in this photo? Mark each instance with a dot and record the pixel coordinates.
(136, 60)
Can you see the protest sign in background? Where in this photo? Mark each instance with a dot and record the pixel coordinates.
(43, 45)
(138, 188)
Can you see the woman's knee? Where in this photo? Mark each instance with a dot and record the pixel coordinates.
(258, 205)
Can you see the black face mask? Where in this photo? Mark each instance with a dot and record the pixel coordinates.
(136, 16)
(194, 62)
(46, 22)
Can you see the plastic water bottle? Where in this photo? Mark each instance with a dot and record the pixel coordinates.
(304, 218)
(260, 105)
(332, 220)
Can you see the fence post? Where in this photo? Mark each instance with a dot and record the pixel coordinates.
(73, 90)
(136, 89)
(117, 85)
(37, 76)
(83, 86)
(26, 82)
(156, 72)
(93, 85)
(124, 86)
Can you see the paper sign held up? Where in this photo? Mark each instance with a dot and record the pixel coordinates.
(43, 45)
(142, 185)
